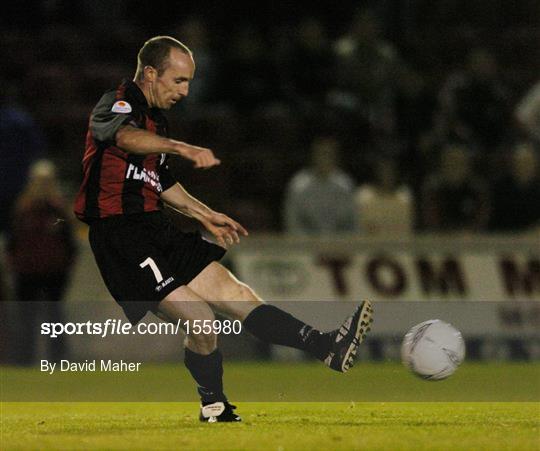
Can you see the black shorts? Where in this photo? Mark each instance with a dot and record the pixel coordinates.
(144, 257)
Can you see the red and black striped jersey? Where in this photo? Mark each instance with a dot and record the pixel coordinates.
(116, 182)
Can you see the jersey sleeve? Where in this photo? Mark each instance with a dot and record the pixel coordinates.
(109, 115)
(166, 179)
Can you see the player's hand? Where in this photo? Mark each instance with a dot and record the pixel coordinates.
(201, 156)
(226, 230)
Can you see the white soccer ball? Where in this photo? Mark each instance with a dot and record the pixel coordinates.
(433, 349)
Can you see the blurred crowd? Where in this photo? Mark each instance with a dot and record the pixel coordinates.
(397, 117)
(409, 116)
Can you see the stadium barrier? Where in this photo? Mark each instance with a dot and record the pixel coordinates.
(487, 286)
(421, 268)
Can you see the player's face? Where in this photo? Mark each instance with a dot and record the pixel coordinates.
(173, 84)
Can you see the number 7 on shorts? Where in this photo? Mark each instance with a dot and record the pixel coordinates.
(157, 273)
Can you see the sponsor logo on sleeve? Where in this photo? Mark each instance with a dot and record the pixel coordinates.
(121, 106)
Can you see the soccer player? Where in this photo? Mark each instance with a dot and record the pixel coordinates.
(150, 265)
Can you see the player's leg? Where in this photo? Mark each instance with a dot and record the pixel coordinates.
(224, 292)
(202, 356)
(237, 300)
(183, 304)
(142, 269)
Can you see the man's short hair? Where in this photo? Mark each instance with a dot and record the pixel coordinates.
(155, 53)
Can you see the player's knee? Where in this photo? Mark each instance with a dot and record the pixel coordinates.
(230, 288)
(238, 310)
(238, 291)
(202, 343)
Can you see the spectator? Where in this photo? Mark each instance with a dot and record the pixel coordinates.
(385, 207)
(369, 74)
(41, 251)
(516, 197)
(250, 70)
(309, 65)
(319, 199)
(528, 112)
(21, 142)
(474, 101)
(455, 198)
(203, 89)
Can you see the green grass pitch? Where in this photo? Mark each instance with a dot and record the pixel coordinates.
(373, 407)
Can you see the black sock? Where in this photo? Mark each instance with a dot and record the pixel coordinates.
(207, 370)
(273, 325)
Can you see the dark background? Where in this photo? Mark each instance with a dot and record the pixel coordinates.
(254, 100)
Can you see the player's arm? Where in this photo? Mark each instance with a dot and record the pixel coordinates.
(225, 229)
(117, 122)
(139, 141)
